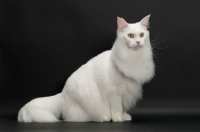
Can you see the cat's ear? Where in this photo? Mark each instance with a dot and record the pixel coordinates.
(121, 23)
(145, 21)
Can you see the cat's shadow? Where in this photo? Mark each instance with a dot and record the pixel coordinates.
(135, 118)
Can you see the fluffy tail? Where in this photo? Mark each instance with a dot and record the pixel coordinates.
(46, 109)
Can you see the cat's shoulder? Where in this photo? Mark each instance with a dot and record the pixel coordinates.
(106, 53)
(103, 55)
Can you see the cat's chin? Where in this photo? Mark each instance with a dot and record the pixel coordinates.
(137, 47)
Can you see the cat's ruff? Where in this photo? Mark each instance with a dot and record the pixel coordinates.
(104, 88)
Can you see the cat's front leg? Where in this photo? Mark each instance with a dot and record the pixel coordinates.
(116, 109)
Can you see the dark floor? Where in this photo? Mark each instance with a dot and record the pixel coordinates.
(148, 116)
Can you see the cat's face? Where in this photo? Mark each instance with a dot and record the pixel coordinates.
(135, 34)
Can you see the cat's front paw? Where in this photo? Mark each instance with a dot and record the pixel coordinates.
(118, 118)
(127, 117)
(104, 118)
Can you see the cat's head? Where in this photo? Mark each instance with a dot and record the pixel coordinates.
(135, 35)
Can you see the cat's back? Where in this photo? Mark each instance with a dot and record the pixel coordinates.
(101, 59)
(96, 66)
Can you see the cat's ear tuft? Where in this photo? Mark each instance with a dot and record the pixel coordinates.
(121, 23)
(145, 21)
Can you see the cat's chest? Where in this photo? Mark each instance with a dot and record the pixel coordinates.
(136, 65)
(129, 91)
(124, 86)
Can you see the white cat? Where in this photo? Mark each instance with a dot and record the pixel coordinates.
(106, 86)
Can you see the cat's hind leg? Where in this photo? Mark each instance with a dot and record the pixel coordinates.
(77, 114)
(85, 105)
(72, 112)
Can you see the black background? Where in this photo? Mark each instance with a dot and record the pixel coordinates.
(42, 42)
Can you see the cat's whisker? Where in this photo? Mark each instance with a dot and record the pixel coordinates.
(157, 47)
(159, 41)
(155, 44)
(154, 39)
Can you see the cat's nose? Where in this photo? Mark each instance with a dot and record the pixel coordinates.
(138, 42)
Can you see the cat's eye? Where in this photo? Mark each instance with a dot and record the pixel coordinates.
(141, 35)
(130, 35)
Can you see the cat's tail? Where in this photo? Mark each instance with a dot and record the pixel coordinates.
(45, 109)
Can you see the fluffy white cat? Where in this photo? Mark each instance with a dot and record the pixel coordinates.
(104, 88)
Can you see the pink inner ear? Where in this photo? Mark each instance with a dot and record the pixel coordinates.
(121, 23)
(145, 21)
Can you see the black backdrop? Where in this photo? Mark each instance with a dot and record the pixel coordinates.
(43, 41)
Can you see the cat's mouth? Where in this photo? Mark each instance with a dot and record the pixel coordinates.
(135, 47)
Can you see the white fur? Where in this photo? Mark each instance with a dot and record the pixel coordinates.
(46, 109)
(104, 88)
